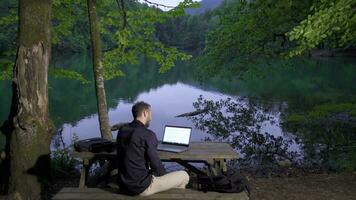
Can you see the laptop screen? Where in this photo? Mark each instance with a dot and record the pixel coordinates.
(178, 135)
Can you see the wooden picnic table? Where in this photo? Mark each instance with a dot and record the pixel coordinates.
(213, 154)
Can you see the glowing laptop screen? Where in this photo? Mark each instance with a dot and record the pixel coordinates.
(178, 135)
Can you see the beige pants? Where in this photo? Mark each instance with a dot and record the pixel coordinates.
(177, 179)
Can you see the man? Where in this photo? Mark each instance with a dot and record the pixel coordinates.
(140, 169)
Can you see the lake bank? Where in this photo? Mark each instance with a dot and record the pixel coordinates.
(281, 92)
(309, 186)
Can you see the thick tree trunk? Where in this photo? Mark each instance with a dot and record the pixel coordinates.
(28, 129)
(98, 70)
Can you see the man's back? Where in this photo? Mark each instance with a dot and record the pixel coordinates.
(136, 150)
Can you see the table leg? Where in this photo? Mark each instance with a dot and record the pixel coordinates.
(84, 174)
(218, 166)
(212, 167)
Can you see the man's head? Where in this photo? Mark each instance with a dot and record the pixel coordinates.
(142, 111)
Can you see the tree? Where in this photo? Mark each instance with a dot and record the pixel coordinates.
(8, 28)
(246, 30)
(98, 71)
(136, 35)
(127, 44)
(28, 128)
(332, 24)
(119, 52)
(69, 33)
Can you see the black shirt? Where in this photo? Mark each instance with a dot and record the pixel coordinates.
(137, 157)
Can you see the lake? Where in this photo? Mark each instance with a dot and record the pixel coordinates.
(279, 90)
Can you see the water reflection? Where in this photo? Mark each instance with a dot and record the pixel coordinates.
(324, 137)
(328, 135)
(167, 102)
(316, 101)
(275, 114)
(248, 128)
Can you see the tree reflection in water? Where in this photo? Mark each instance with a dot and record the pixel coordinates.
(328, 133)
(325, 134)
(239, 121)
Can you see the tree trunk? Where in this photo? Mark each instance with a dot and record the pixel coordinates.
(98, 71)
(28, 128)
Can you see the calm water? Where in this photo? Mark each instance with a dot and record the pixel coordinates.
(167, 101)
(281, 89)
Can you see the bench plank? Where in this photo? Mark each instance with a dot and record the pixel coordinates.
(98, 190)
(197, 151)
(174, 194)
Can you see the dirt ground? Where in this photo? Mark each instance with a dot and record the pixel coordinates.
(298, 187)
(310, 187)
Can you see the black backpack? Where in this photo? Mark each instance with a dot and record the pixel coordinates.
(95, 145)
(232, 182)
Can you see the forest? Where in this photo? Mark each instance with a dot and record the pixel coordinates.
(294, 59)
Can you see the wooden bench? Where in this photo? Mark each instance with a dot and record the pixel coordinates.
(173, 194)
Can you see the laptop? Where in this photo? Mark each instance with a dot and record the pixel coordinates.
(175, 139)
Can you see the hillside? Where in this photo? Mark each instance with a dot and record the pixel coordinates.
(204, 6)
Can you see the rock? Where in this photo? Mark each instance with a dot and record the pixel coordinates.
(284, 163)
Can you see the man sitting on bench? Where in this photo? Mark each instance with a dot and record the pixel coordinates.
(140, 169)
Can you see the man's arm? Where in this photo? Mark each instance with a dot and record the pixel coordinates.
(155, 162)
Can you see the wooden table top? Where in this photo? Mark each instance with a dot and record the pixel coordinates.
(196, 151)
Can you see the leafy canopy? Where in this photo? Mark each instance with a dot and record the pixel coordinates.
(331, 22)
(249, 29)
(128, 32)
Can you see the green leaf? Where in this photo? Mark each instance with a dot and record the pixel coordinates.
(64, 73)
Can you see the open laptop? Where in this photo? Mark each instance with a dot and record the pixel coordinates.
(175, 139)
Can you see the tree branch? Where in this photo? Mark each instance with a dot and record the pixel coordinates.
(158, 4)
(121, 5)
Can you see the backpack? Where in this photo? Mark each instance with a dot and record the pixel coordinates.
(95, 145)
(232, 182)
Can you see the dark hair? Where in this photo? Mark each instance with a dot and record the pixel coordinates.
(138, 108)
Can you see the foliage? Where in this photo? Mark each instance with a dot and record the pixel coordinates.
(136, 36)
(8, 29)
(326, 124)
(63, 73)
(8, 24)
(186, 32)
(345, 160)
(5, 69)
(329, 130)
(250, 29)
(246, 30)
(332, 23)
(123, 43)
(62, 163)
(69, 32)
(70, 25)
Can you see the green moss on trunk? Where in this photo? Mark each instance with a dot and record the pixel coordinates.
(34, 15)
(28, 129)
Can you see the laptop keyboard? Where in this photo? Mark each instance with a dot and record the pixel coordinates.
(167, 147)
